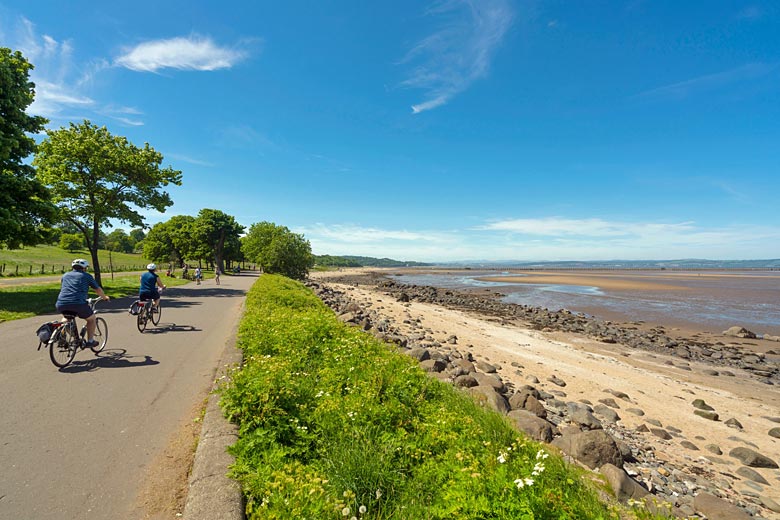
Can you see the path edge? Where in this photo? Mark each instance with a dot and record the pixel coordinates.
(212, 495)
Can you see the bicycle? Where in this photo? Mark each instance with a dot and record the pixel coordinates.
(148, 313)
(66, 340)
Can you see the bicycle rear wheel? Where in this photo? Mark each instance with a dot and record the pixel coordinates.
(101, 335)
(142, 318)
(62, 346)
(156, 313)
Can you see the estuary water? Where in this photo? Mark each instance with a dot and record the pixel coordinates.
(706, 301)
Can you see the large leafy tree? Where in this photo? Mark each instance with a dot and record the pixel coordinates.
(214, 235)
(278, 250)
(170, 241)
(97, 177)
(25, 208)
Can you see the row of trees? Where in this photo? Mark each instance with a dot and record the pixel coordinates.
(216, 235)
(85, 178)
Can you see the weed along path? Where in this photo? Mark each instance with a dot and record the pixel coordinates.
(112, 435)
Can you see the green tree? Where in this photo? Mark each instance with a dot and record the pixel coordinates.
(71, 242)
(25, 206)
(170, 241)
(96, 177)
(214, 234)
(119, 241)
(278, 250)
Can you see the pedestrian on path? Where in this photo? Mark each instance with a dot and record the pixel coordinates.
(198, 275)
(216, 275)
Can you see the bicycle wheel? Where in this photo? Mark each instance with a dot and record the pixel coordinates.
(142, 317)
(101, 335)
(156, 313)
(62, 346)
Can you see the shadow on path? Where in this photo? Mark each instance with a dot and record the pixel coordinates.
(162, 328)
(111, 358)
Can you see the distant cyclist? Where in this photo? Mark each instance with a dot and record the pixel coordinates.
(150, 281)
(74, 289)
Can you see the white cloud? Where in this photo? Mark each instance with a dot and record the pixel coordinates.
(451, 59)
(191, 53)
(745, 73)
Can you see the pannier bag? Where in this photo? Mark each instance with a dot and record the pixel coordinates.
(45, 331)
(135, 308)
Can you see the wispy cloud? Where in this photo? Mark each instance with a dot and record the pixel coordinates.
(188, 159)
(448, 61)
(751, 12)
(183, 53)
(556, 226)
(683, 89)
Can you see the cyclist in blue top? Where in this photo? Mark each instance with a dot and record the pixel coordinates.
(150, 280)
(74, 289)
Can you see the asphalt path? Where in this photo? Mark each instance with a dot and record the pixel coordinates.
(75, 442)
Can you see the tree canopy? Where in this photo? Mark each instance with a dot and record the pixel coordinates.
(169, 241)
(25, 208)
(96, 177)
(215, 235)
(278, 250)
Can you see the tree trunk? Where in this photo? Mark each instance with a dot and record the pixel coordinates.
(94, 251)
(218, 252)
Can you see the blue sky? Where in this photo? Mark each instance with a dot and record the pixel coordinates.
(453, 130)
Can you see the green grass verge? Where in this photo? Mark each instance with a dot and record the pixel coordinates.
(28, 300)
(335, 424)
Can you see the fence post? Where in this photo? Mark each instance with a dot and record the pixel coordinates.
(17, 269)
(43, 269)
(30, 269)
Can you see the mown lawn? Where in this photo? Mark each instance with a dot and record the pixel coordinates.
(28, 300)
(53, 260)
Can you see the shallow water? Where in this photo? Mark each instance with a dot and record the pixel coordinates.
(709, 303)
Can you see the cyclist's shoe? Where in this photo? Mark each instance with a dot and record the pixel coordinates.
(154, 310)
(92, 343)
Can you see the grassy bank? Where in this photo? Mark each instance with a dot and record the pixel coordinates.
(28, 300)
(334, 424)
(47, 260)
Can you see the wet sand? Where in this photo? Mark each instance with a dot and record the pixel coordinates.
(686, 299)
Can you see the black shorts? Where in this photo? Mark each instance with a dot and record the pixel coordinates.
(82, 310)
(149, 296)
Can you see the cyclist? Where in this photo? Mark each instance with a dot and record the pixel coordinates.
(74, 288)
(150, 280)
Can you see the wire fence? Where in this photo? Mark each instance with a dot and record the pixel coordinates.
(49, 269)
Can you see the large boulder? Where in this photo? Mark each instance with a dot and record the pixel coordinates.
(487, 396)
(624, 487)
(739, 332)
(752, 458)
(594, 448)
(715, 508)
(535, 427)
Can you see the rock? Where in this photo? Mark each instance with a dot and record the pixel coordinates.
(715, 508)
(752, 458)
(594, 448)
(712, 416)
(661, 433)
(733, 423)
(608, 413)
(712, 448)
(775, 432)
(699, 404)
(486, 367)
(533, 426)
(433, 365)
(739, 332)
(556, 380)
(418, 353)
(689, 445)
(487, 396)
(622, 484)
(751, 474)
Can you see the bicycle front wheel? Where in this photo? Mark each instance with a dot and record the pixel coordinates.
(101, 335)
(156, 313)
(142, 317)
(62, 346)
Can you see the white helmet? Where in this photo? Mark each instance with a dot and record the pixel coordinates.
(79, 262)
(151, 267)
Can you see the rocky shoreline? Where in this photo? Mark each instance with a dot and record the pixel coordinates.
(589, 431)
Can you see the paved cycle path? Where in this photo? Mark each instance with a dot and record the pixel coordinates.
(74, 442)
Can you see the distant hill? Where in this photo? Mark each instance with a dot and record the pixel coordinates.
(689, 263)
(362, 261)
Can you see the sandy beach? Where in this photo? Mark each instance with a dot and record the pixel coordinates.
(661, 388)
